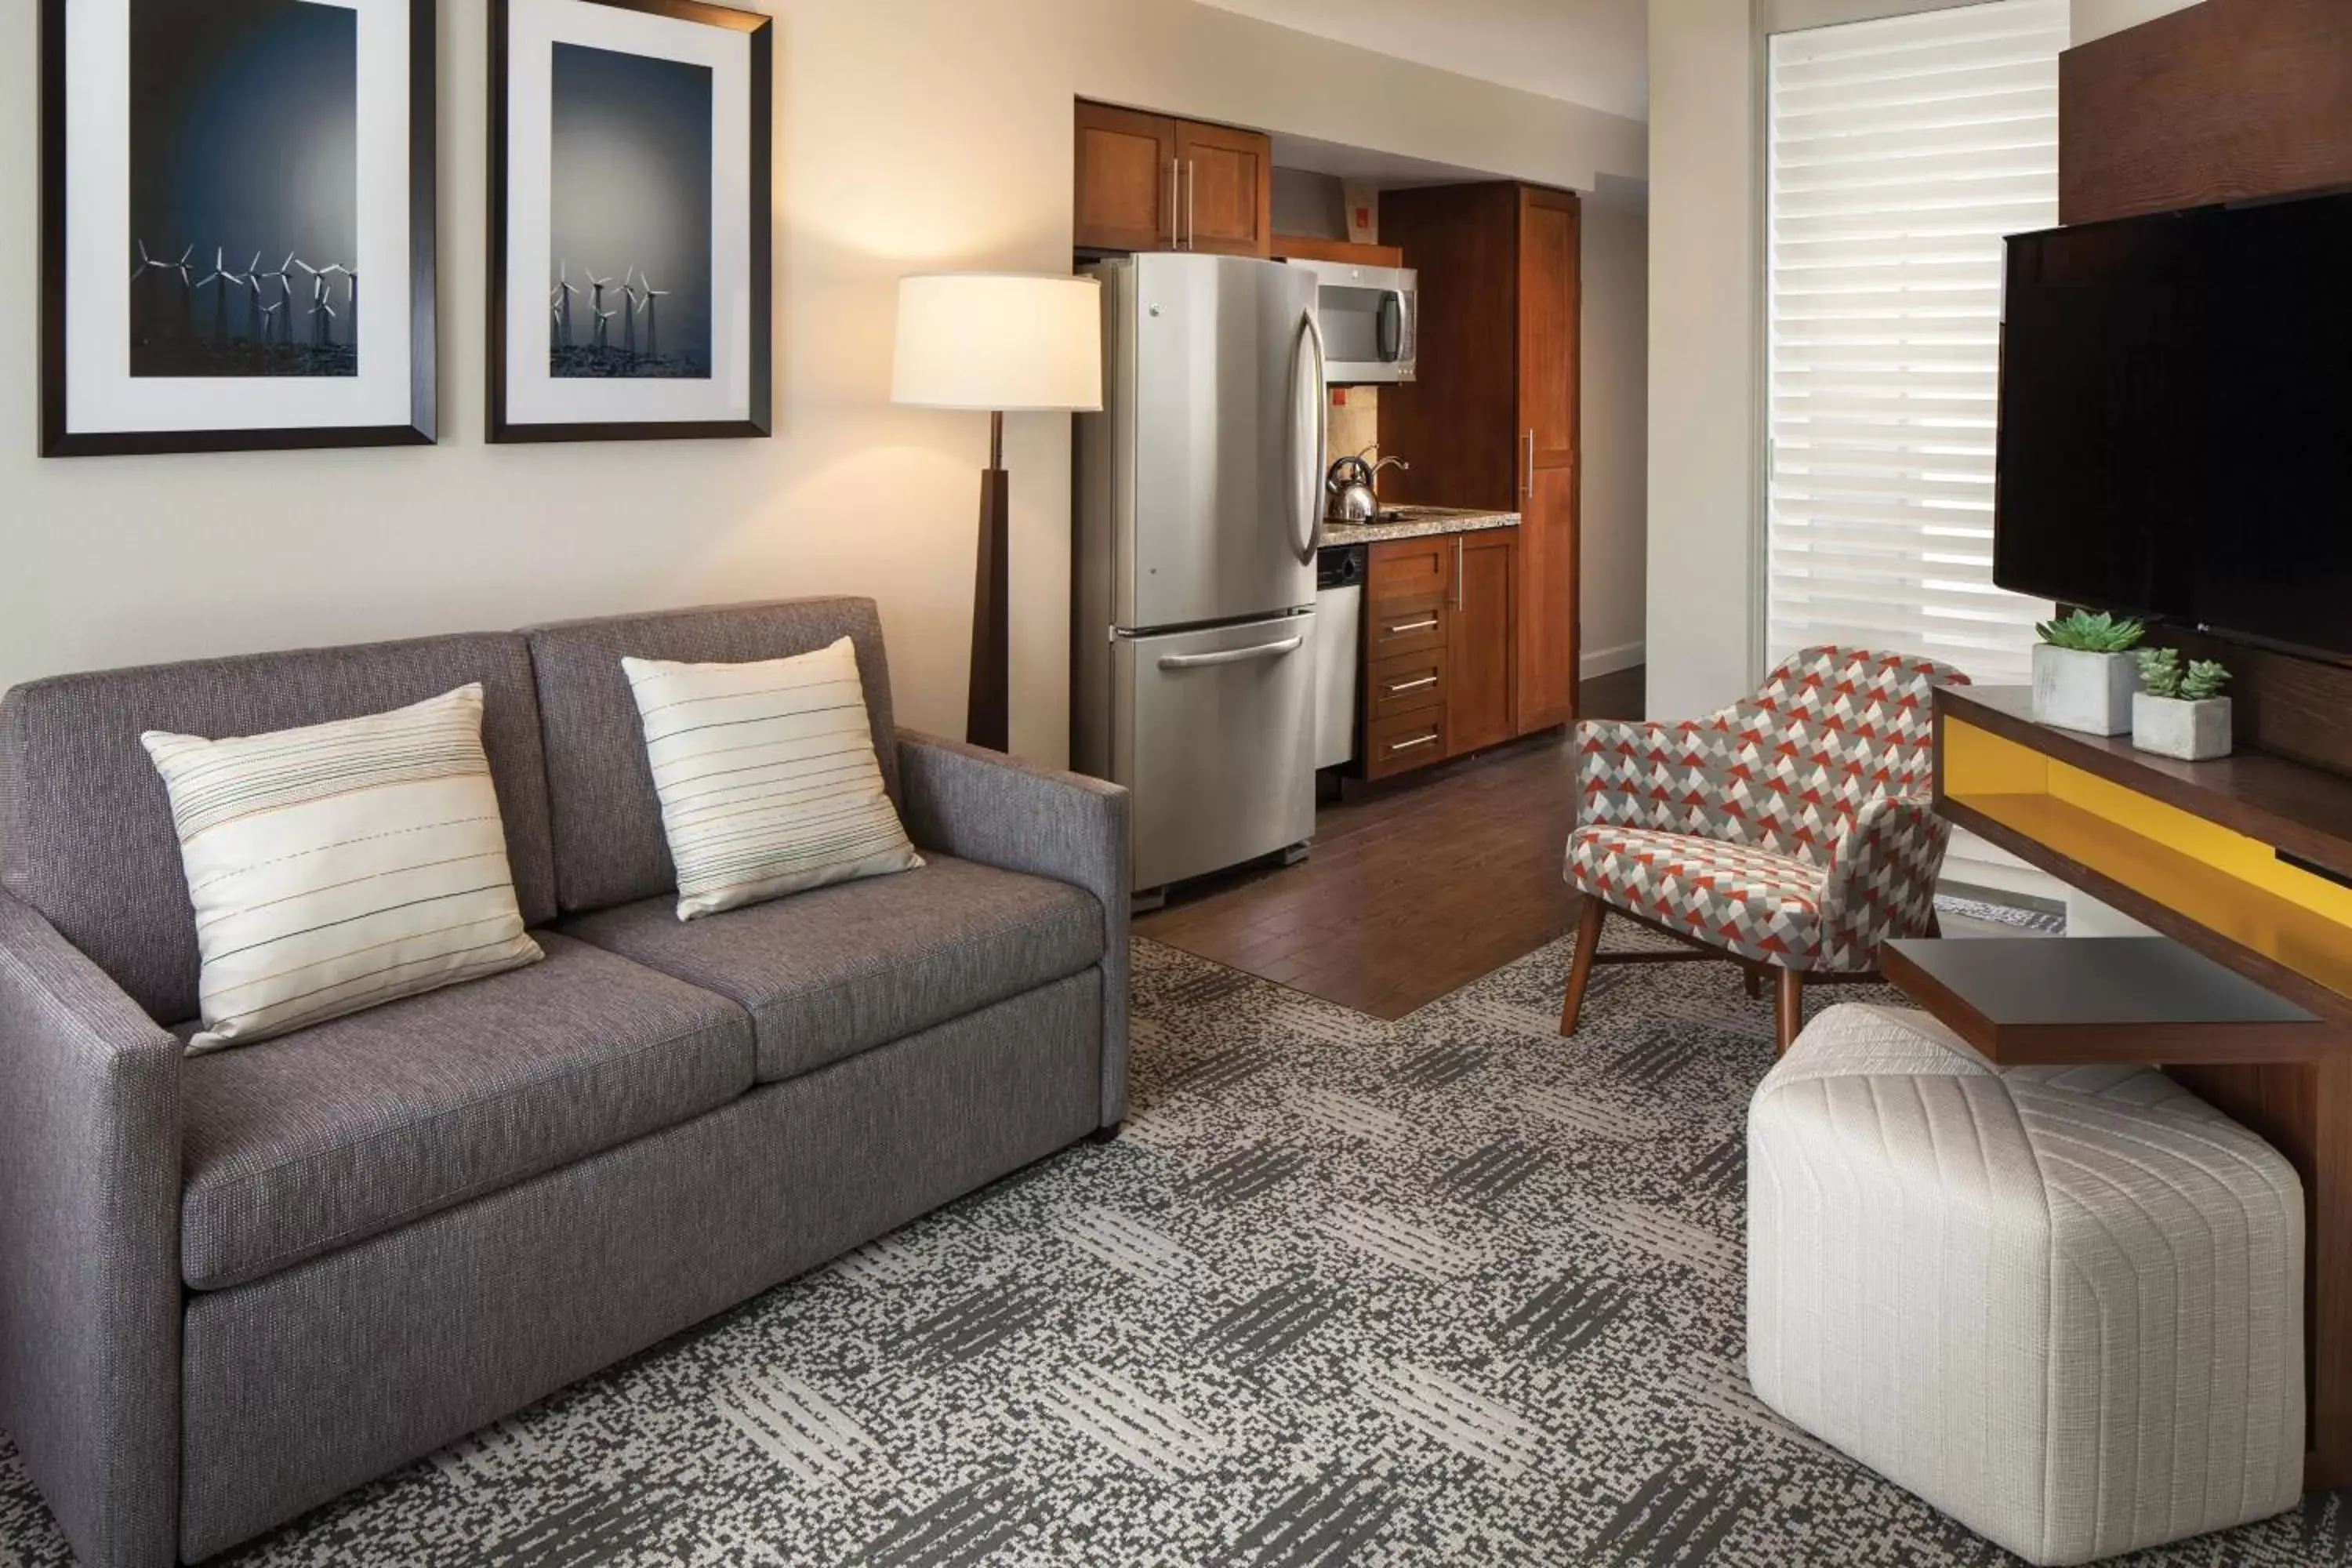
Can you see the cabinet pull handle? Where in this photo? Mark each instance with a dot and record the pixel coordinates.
(1530, 490)
(1192, 195)
(1413, 627)
(1428, 740)
(1395, 687)
(1457, 570)
(1175, 201)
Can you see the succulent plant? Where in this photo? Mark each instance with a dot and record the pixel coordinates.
(2205, 679)
(2087, 633)
(2160, 675)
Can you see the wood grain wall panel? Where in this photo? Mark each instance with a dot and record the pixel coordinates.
(1457, 420)
(2230, 100)
(2290, 705)
(2226, 102)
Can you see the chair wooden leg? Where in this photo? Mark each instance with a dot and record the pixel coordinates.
(1580, 969)
(1753, 975)
(1789, 1010)
(1935, 922)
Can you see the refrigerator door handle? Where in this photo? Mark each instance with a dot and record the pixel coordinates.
(1232, 656)
(1309, 524)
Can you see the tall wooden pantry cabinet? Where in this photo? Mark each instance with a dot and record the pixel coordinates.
(1490, 420)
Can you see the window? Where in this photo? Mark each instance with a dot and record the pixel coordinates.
(1901, 152)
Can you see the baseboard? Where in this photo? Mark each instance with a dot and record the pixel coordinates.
(1610, 660)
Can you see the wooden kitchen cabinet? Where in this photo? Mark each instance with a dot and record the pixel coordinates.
(1150, 182)
(1491, 418)
(1440, 653)
(1228, 207)
(1481, 642)
(1550, 303)
(1128, 175)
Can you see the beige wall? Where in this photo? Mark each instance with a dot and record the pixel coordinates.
(910, 134)
(1704, 299)
(1613, 565)
(2097, 18)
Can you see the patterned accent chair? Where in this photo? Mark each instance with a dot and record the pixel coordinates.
(1794, 831)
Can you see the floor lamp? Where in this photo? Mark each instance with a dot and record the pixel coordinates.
(1006, 342)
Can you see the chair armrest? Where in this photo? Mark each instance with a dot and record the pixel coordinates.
(90, 1247)
(982, 806)
(1882, 878)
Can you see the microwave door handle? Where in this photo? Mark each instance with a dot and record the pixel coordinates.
(1391, 328)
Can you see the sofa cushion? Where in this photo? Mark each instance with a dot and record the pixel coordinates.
(609, 846)
(828, 973)
(309, 1142)
(86, 835)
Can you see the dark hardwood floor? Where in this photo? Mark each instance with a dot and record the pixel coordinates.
(1414, 889)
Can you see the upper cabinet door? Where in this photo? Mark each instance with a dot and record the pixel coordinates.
(1227, 200)
(1129, 179)
(1550, 267)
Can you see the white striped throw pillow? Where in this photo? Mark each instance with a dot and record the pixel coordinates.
(767, 777)
(340, 866)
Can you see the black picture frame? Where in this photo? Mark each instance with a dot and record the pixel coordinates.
(57, 440)
(759, 30)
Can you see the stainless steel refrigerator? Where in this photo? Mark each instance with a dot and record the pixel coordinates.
(1199, 510)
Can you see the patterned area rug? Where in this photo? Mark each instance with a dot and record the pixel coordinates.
(1450, 1289)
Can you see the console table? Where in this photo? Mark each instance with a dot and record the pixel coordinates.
(2245, 866)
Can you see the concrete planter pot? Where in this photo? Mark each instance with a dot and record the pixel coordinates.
(2091, 692)
(2174, 727)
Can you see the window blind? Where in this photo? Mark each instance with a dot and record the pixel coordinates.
(1901, 151)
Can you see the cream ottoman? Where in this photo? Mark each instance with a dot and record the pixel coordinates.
(2063, 1305)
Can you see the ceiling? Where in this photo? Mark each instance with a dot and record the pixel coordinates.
(1593, 52)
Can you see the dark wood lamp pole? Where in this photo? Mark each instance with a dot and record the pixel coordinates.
(988, 709)
(1006, 342)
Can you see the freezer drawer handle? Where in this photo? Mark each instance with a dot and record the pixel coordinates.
(1395, 687)
(1413, 627)
(1231, 655)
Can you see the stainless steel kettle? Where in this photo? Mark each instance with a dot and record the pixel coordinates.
(1348, 485)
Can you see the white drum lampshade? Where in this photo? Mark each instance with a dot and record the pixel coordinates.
(1007, 342)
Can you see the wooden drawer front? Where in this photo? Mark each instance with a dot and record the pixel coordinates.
(1405, 626)
(1410, 569)
(1407, 742)
(1406, 684)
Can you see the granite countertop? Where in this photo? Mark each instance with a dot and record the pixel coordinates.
(1419, 522)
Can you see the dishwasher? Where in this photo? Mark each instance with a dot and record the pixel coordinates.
(1338, 647)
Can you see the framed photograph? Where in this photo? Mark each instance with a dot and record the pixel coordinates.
(629, 220)
(236, 224)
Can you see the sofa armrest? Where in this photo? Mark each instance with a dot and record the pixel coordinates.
(90, 1247)
(982, 806)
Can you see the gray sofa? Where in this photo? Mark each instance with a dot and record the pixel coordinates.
(235, 1285)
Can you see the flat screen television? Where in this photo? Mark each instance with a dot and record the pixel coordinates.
(2176, 420)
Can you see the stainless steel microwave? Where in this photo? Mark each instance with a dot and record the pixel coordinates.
(1370, 321)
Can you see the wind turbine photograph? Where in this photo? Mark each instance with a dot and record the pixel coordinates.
(630, 182)
(244, 140)
(559, 306)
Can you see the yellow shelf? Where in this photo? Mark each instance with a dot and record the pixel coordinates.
(2228, 883)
